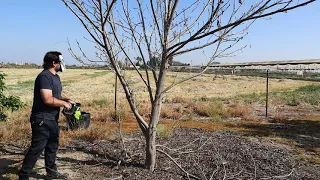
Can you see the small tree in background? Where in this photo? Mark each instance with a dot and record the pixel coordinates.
(12, 103)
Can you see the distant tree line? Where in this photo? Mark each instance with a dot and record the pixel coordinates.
(155, 61)
(36, 66)
(20, 66)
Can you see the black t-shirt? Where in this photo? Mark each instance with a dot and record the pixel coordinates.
(46, 80)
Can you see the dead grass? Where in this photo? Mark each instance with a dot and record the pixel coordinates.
(244, 111)
(239, 110)
(170, 113)
(279, 117)
(164, 130)
(15, 132)
(210, 109)
(179, 99)
(95, 132)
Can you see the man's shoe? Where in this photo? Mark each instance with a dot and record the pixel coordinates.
(56, 175)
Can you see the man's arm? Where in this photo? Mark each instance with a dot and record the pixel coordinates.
(48, 99)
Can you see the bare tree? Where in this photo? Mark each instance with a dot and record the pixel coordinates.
(165, 29)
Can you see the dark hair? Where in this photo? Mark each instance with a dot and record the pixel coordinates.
(51, 56)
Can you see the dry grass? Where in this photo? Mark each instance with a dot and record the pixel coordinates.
(210, 109)
(279, 117)
(164, 130)
(94, 89)
(242, 110)
(239, 110)
(170, 113)
(97, 131)
(179, 99)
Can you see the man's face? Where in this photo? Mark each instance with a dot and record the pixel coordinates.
(57, 66)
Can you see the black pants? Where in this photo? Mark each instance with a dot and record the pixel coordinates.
(45, 136)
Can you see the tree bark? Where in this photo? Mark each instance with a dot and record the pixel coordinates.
(152, 134)
(151, 155)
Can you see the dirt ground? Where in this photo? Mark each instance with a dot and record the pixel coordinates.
(196, 154)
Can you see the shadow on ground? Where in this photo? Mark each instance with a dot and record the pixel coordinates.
(301, 133)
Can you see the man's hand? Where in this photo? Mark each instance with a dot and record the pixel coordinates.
(67, 105)
(71, 101)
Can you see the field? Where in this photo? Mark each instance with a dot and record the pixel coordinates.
(224, 114)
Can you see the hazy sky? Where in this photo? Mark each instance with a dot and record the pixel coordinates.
(31, 28)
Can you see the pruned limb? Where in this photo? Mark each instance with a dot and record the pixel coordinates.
(176, 163)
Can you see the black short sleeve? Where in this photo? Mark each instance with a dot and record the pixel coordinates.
(44, 82)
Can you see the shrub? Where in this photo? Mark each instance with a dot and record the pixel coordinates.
(170, 113)
(12, 103)
(292, 100)
(279, 117)
(210, 109)
(164, 130)
(239, 110)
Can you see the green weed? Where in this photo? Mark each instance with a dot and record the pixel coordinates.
(101, 102)
(306, 94)
(251, 98)
(96, 74)
(67, 82)
(22, 85)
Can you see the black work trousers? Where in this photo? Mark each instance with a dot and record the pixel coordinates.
(45, 136)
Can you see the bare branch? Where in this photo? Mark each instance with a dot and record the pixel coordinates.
(75, 2)
(175, 162)
(256, 15)
(195, 75)
(140, 49)
(83, 23)
(126, 54)
(156, 22)
(106, 16)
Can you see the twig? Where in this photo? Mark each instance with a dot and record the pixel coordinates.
(280, 177)
(175, 162)
(120, 177)
(180, 147)
(213, 172)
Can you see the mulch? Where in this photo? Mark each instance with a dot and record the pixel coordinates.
(196, 154)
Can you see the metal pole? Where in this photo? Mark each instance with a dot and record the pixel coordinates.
(267, 91)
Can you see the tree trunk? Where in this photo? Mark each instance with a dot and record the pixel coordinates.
(150, 162)
(152, 134)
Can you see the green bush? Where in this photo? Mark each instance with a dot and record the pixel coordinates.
(291, 100)
(12, 103)
(308, 89)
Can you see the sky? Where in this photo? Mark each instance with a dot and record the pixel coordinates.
(31, 28)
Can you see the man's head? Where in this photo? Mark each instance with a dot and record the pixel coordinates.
(53, 59)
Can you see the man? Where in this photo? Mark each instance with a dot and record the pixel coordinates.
(48, 98)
